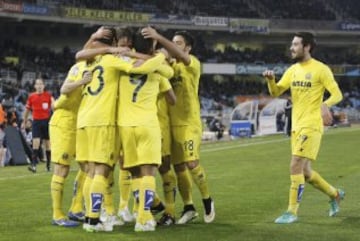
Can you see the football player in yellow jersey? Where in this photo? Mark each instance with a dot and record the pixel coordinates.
(124, 48)
(186, 123)
(140, 131)
(96, 132)
(307, 79)
(62, 128)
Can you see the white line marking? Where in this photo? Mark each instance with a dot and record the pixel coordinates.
(244, 145)
(211, 149)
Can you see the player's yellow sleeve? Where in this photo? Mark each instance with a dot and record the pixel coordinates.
(331, 86)
(277, 89)
(165, 70)
(194, 65)
(164, 84)
(149, 65)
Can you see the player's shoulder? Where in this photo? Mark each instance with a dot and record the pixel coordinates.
(110, 58)
(76, 68)
(194, 60)
(318, 63)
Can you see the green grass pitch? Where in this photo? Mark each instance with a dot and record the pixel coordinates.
(249, 181)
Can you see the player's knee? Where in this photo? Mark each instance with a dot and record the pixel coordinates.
(192, 164)
(61, 170)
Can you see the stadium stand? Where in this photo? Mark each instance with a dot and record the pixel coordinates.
(23, 57)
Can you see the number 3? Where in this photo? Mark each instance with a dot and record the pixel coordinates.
(101, 81)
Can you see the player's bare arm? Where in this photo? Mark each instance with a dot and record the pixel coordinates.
(170, 97)
(69, 86)
(326, 115)
(89, 54)
(173, 49)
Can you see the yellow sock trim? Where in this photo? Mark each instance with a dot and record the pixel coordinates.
(169, 189)
(135, 187)
(109, 196)
(199, 177)
(57, 188)
(185, 186)
(296, 191)
(97, 192)
(86, 194)
(124, 188)
(319, 183)
(146, 196)
(157, 200)
(77, 200)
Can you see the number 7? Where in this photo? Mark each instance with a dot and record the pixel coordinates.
(138, 80)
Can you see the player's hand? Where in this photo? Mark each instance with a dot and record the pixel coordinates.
(101, 33)
(87, 77)
(22, 126)
(150, 32)
(138, 62)
(326, 115)
(269, 74)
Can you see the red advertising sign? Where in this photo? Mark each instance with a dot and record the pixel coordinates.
(11, 7)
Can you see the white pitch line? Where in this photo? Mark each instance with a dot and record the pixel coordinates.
(30, 175)
(244, 145)
(270, 141)
(206, 150)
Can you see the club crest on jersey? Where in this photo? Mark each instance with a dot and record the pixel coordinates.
(65, 156)
(308, 76)
(75, 70)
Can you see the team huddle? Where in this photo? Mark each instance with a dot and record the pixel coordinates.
(126, 102)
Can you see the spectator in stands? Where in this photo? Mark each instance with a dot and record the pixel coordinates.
(39, 104)
(27, 132)
(218, 127)
(2, 135)
(307, 79)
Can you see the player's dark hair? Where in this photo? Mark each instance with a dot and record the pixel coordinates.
(307, 39)
(126, 32)
(142, 45)
(111, 39)
(189, 39)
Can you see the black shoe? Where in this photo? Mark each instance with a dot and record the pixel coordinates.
(209, 207)
(188, 214)
(48, 169)
(32, 169)
(166, 220)
(157, 209)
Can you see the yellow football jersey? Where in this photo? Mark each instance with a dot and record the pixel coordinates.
(185, 83)
(72, 100)
(99, 103)
(163, 111)
(138, 97)
(307, 82)
(66, 106)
